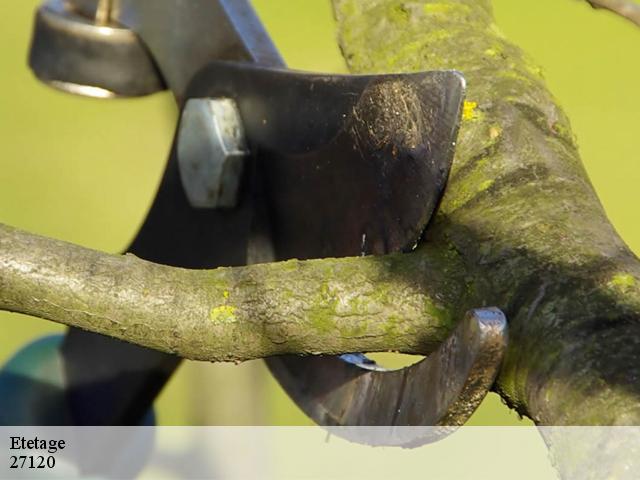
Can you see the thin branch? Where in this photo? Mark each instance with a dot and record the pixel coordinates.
(625, 8)
(234, 314)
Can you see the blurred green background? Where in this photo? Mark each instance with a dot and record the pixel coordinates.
(86, 170)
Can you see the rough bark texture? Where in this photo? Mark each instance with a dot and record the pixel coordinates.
(235, 314)
(520, 212)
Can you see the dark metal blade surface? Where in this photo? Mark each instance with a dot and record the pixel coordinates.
(443, 389)
(350, 165)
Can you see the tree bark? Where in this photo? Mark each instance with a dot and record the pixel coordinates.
(395, 302)
(520, 212)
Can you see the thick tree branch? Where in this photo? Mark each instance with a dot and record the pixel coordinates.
(521, 212)
(232, 314)
(625, 8)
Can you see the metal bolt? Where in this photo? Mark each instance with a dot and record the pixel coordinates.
(211, 152)
(103, 12)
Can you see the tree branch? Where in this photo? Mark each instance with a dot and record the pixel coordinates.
(521, 212)
(625, 8)
(235, 314)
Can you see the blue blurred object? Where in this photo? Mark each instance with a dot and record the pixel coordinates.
(33, 387)
(33, 392)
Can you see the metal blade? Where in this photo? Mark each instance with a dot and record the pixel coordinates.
(350, 165)
(441, 390)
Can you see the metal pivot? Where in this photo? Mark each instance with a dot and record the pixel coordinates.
(339, 166)
(211, 152)
(89, 55)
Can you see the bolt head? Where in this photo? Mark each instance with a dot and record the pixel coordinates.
(211, 152)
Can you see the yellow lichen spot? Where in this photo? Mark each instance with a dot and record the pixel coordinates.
(533, 68)
(494, 132)
(485, 185)
(491, 52)
(623, 281)
(469, 110)
(225, 294)
(496, 31)
(223, 314)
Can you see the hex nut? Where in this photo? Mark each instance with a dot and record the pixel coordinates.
(211, 152)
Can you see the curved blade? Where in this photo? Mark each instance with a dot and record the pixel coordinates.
(350, 165)
(441, 390)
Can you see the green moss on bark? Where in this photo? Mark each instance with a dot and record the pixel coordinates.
(235, 314)
(520, 211)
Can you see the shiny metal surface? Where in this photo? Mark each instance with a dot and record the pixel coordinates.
(211, 152)
(184, 36)
(443, 389)
(72, 53)
(349, 165)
